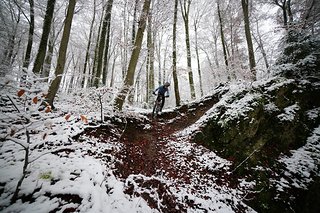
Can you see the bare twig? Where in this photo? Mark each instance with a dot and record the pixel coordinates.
(254, 151)
(49, 152)
(24, 171)
(15, 106)
(125, 127)
(101, 107)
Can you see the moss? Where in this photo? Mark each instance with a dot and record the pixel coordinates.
(262, 130)
(46, 175)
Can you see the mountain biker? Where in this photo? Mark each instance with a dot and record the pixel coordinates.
(163, 92)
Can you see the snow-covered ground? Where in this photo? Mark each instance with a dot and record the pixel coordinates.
(62, 175)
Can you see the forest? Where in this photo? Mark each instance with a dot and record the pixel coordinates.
(239, 130)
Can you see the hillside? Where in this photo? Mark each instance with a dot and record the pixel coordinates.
(246, 148)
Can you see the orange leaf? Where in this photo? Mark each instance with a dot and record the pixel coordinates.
(21, 92)
(84, 118)
(35, 100)
(48, 109)
(67, 117)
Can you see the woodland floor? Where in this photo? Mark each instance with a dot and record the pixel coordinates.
(146, 152)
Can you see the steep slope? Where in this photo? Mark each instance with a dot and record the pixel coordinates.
(257, 128)
(254, 126)
(166, 170)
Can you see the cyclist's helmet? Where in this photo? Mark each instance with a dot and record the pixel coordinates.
(167, 84)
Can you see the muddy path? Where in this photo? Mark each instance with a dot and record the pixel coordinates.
(147, 150)
(145, 140)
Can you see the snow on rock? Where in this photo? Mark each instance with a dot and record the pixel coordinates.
(302, 163)
(289, 113)
(234, 104)
(314, 113)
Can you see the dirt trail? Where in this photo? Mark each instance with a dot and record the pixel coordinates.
(145, 150)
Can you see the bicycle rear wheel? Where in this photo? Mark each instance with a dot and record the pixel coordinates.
(154, 113)
(156, 108)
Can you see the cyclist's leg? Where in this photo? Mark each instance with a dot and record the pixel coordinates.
(162, 103)
(158, 97)
(157, 105)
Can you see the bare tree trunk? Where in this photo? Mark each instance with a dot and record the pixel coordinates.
(197, 52)
(30, 36)
(133, 35)
(124, 51)
(48, 59)
(44, 39)
(222, 36)
(288, 6)
(102, 41)
(62, 54)
(147, 78)
(284, 11)
(185, 9)
(9, 55)
(174, 55)
(215, 39)
(107, 45)
(261, 46)
(112, 72)
(150, 60)
(96, 54)
(129, 80)
(252, 61)
(88, 46)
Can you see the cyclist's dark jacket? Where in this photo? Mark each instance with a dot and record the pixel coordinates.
(162, 90)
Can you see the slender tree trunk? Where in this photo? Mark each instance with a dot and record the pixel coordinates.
(133, 34)
(252, 62)
(150, 60)
(44, 39)
(30, 36)
(129, 80)
(62, 54)
(147, 78)
(124, 51)
(9, 55)
(106, 49)
(112, 72)
(102, 41)
(185, 8)
(289, 12)
(198, 58)
(222, 36)
(88, 46)
(261, 46)
(174, 54)
(96, 54)
(284, 11)
(215, 39)
(48, 60)
(164, 65)
(210, 63)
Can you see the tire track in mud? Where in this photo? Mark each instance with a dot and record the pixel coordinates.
(145, 151)
(145, 155)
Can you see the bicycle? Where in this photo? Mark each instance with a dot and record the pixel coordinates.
(157, 106)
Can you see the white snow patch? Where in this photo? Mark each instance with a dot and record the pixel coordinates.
(303, 162)
(289, 113)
